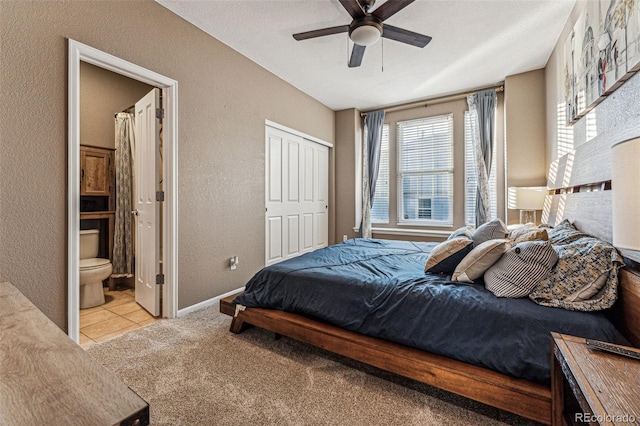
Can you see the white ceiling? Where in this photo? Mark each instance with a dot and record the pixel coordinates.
(476, 43)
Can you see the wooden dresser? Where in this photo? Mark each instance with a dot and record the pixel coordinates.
(47, 379)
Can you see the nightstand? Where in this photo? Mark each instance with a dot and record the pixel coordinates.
(592, 387)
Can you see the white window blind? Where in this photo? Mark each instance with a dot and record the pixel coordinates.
(425, 171)
(380, 207)
(471, 179)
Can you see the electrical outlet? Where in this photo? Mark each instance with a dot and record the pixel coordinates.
(233, 263)
(344, 237)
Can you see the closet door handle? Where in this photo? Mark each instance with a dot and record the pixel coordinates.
(135, 212)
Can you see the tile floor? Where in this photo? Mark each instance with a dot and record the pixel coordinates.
(118, 315)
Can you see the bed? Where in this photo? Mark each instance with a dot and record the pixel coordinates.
(521, 387)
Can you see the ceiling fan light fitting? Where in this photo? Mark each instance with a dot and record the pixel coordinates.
(365, 35)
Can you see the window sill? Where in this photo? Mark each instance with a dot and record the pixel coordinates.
(409, 232)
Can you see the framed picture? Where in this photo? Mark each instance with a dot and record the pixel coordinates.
(601, 52)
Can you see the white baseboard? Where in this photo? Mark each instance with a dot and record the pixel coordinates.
(207, 303)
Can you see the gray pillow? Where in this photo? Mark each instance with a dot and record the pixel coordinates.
(490, 231)
(521, 269)
(464, 232)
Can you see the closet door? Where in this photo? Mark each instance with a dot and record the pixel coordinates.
(296, 195)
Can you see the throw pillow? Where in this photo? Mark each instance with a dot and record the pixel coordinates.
(515, 230)
(444, 257)
(520, 270)
(532, 234)
(464, 232)
(576, 282)
(480, 259)
(565, 233)
(490, 231)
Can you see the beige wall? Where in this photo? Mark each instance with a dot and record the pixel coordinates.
(348, 134)
(102, 94)
(224, 100)
(525, 130)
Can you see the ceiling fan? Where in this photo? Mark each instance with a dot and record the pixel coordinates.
(366, 28)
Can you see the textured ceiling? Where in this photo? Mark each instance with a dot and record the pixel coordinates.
(475, 43)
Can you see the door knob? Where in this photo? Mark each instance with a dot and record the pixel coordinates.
(135, 212)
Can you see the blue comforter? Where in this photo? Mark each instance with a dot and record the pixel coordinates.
(379, 288)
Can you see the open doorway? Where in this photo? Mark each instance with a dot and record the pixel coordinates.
(163, 266)
(120, 173)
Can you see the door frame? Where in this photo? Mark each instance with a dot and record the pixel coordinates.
(81, 52)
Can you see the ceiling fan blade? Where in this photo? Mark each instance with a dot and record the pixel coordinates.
(353, 7)
(405, 36)
(322, 32)
(356, 56)
(390, 8)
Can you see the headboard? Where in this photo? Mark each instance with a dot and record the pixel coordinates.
(580, 190)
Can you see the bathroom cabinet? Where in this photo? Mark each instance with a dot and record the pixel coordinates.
(97, 194)
(97, 176)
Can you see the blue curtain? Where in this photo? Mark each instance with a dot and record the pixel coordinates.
(484, 104)
(373, 124)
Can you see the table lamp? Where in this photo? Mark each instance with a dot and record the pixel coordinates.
(527, 199)
(625, 184)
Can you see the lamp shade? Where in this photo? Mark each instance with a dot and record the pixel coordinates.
(625, 184)
(526, 197)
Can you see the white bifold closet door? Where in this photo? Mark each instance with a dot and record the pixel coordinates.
(297, 195)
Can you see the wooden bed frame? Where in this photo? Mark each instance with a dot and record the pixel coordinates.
(525, 398)
(580, 185)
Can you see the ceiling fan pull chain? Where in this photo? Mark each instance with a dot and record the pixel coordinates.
(382, 48)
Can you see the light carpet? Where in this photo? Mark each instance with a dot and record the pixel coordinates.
(193, 371)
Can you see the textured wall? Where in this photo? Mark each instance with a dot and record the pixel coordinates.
(102, 94)
(224, 100)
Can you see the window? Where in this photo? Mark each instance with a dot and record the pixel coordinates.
(425, 171)
(380, 207)
(471, 179)
(424, 208)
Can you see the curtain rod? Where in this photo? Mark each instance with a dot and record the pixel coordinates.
(425, 103)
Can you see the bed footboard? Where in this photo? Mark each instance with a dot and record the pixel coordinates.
(525, 398)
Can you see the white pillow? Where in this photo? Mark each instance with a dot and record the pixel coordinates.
(480, 259)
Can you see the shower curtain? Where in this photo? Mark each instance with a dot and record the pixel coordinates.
(123, 232)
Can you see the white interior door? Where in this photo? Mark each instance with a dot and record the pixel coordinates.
(296, 195)
(146, 169)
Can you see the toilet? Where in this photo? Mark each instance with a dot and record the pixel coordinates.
(93, 270)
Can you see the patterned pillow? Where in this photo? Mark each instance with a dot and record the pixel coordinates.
(480, 259)
(444, 257)
(520, 270)
(490, 231)
(565, 233)
(579, 274)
